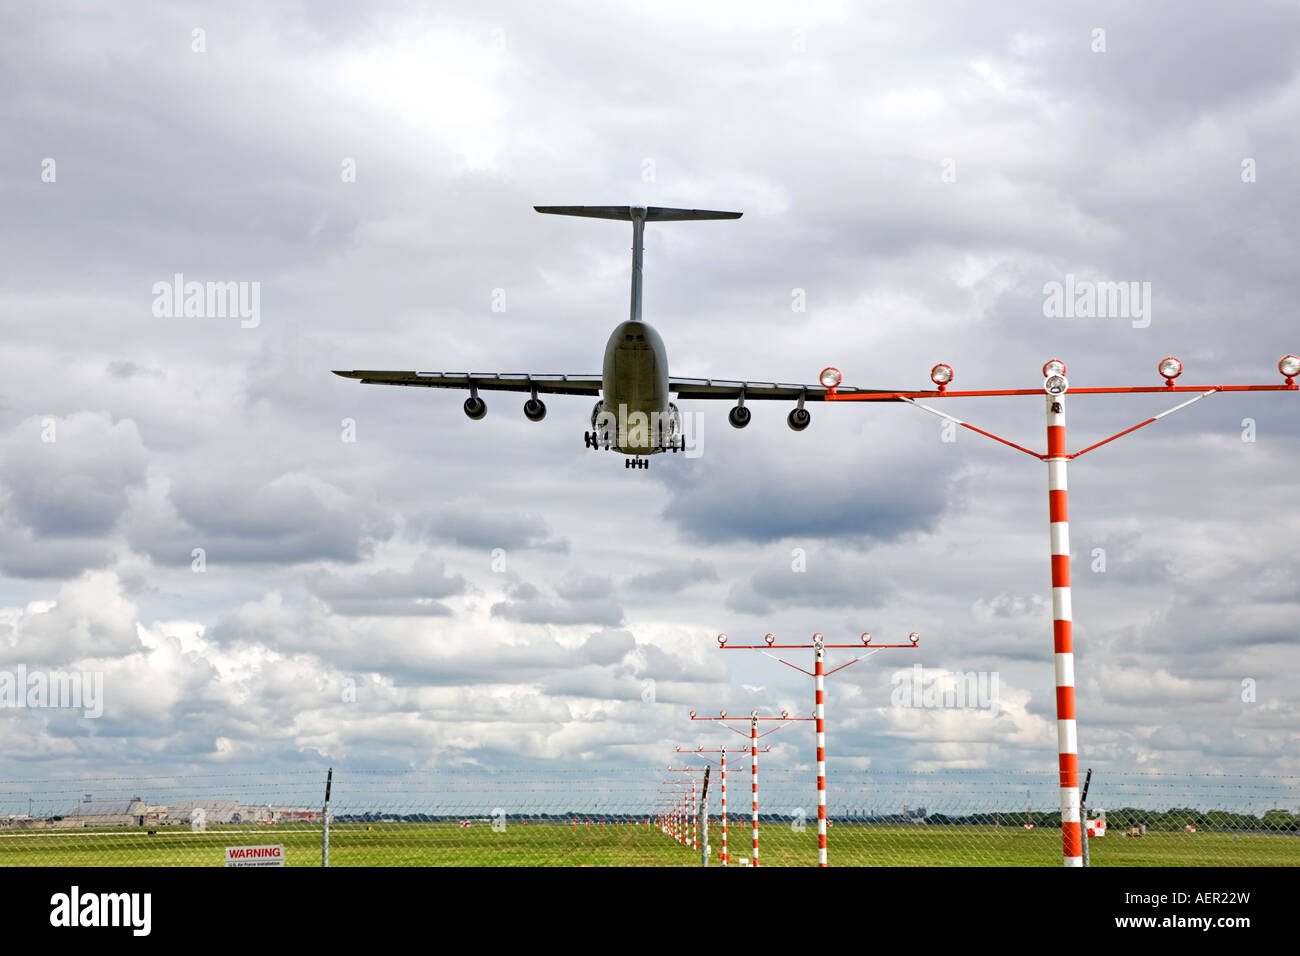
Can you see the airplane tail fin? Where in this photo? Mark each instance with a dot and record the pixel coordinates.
(638, 216)
(647, 213)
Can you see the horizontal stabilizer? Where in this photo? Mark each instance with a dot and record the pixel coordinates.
(647, 213)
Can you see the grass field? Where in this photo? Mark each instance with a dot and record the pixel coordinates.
(447, 844)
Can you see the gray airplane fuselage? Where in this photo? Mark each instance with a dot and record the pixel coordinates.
(635, 384)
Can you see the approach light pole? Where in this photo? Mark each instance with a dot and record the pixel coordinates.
(818, 674)
(694, 841)
(754, 736)
(725, 859)
(1055, 385)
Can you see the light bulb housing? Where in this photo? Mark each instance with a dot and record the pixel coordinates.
(1053, 367)
(830, 377)
(1170, 368)
(941, 375)
(1056, 385)
(1289, 366)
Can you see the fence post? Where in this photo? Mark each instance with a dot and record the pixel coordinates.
(704, 813)
(325, 821)
(1083, 816)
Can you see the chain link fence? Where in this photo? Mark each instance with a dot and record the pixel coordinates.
(635, 818)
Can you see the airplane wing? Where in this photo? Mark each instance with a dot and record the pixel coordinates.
(727, 390)
(484, 381)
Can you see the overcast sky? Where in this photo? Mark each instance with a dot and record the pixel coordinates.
(920, 171)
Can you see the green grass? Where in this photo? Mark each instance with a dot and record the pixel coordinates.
(447, 844)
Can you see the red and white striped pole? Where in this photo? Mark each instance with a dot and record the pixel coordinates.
(753, 772)
(1056, 386)
(819, 674)
(1067, 739)
(725, 855)
(724, 806)
(820, 717)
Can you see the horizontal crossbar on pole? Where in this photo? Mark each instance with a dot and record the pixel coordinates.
(1006, 392)
(766, 647)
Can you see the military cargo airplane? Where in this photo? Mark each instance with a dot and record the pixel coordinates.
(634, 414)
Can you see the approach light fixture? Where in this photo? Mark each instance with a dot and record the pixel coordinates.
(941, 375)
(1170, 368)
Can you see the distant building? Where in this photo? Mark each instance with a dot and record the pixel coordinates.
(113, 813)
(205, 812)
(294, 815)
(246, 813)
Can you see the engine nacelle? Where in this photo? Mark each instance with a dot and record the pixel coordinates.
(738, 416)
(534, 409)
(475, 407)
(798, 419)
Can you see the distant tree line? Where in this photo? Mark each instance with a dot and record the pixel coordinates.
(1175, 818)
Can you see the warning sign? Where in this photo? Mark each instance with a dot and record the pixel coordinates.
(254, 856)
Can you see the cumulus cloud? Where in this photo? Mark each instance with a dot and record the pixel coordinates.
(70, 477)
(387, 582)
(391, 592)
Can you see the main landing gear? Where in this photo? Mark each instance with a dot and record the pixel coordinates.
(636, 462)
